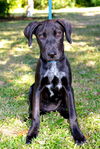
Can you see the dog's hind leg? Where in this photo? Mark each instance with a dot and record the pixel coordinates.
(64, 113)
(30, 100)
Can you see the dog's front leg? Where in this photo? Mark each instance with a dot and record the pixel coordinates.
(76, 132)
(33, 131)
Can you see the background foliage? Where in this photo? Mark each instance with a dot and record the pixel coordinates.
(4, 8)
(65, 3)
(40, 4)
(88, 3)
(7, 6)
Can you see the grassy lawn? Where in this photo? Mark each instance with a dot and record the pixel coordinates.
(17, 69)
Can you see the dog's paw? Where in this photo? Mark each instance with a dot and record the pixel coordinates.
(80, 140)
(78, 136)
(28, 140)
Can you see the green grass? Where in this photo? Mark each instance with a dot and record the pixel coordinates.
(17, 69)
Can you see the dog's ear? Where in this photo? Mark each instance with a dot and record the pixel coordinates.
(67, 28)
(30, 30)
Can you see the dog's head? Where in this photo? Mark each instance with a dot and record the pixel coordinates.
(50, 36)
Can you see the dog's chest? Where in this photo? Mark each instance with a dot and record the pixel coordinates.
(54, 76)
(53, 71)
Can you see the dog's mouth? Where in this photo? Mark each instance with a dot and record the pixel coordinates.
(47, 58)
(58, 58)
(55, 58)
(52, 59)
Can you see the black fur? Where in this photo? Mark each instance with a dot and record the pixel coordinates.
(52, 90)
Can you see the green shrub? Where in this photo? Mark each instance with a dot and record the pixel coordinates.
(56, 4)
(7, 6)
(95, 2)
(15, 4)
(88, 3)
(40, 4)
(63, 3)
(4, 8)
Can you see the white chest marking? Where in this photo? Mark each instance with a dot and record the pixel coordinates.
(53, 71)
(50, 73)
(49, 87)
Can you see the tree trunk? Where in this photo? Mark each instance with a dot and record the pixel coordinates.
(30, 8)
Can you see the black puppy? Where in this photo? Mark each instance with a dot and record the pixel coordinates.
(52, 90)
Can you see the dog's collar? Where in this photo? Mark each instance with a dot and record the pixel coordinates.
(52, 61)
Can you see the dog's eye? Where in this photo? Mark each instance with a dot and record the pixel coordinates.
(58, 34)
(42, 36)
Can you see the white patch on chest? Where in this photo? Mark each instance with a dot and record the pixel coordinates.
(49, 87)
(51, 73)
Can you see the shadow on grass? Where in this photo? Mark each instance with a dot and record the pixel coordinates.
(17, 70)
(85, 76)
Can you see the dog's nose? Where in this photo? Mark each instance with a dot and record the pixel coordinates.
(52, 54)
